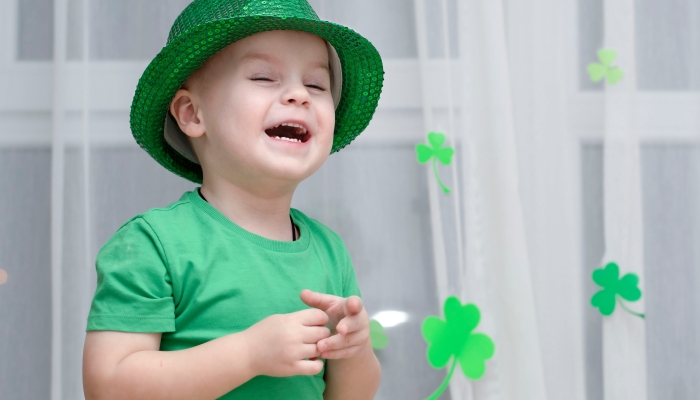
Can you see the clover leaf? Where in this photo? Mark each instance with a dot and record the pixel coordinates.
(604, 69)
(613, 286)
(377, 336)
(435, 152)
(453, 338)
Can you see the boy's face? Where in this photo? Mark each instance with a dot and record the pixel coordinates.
(264, 110)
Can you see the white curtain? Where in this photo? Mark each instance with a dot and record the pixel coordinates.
(553, 176)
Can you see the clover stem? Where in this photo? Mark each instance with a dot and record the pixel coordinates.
(442, 387)
(640, 315)
(442, 185)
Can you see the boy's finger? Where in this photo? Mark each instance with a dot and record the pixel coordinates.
(321, 301)
(337, 342)
(308, 367)
(351, 324)
(342, 353)
(313, 317)
(353, 305)
(315, 333)
(309, 351)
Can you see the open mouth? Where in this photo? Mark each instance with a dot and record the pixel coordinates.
(288, 131)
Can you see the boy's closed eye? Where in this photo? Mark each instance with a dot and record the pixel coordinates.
(266, 79)
(261, 78)
(316, 87)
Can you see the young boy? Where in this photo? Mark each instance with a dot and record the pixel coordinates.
(229, 293)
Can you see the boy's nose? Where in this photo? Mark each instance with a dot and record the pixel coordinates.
(296, 94)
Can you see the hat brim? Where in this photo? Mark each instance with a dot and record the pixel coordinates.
(362, 73)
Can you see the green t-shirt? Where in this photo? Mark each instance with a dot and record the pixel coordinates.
(188, 271)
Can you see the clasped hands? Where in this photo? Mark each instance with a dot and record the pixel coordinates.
(290, 344)
(347, 320)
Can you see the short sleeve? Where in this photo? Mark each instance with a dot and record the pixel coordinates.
(350, 286)
(134, 290)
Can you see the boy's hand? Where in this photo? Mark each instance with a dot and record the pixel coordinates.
(347, 317)
(280, 344)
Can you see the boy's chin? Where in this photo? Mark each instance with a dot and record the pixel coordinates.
(288, 174)
(292, 169)
(271, 174)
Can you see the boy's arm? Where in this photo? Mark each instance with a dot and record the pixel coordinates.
(125, 365)
(353, 378)
(122, 365)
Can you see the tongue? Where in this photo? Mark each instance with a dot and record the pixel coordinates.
(283, 131)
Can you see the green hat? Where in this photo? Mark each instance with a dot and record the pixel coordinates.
(207, 26)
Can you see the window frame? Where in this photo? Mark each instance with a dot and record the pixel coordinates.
(663, 115)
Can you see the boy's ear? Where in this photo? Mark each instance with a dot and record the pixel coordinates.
(185, 110)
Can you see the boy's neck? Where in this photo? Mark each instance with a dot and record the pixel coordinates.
(265, 214)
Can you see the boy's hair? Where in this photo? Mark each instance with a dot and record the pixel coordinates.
(200, 75)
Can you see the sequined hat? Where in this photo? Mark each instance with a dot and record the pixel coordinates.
(207, 26)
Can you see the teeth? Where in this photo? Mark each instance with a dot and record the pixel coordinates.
(303, 130)
(288, 139)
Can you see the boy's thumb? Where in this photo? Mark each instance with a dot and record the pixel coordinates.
(353, 305)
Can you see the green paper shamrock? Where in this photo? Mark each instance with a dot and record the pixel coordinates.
(613, 286)
(435, 152)
(454, 337)
(603, 69)
(377, 335)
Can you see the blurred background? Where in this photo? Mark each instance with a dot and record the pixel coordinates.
(554, 176)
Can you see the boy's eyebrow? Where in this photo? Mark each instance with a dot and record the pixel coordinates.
(272, 60)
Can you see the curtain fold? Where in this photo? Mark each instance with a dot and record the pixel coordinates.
(624, 339)
(498, 267)
(543, 76)
(58, 194)
(460, 388)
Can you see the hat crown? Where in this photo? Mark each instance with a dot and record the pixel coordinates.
(204, 11)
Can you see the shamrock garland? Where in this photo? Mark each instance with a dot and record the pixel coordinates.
(454, 338)
(613, 286)
(604, 69)
(435, 152)
(377, 336)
